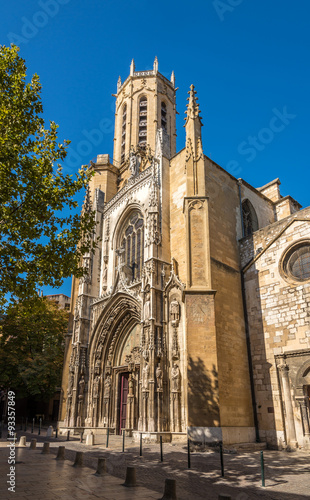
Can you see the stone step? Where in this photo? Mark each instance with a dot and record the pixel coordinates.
(246, 446)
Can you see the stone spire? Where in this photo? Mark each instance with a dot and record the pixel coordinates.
(194, 151)
(172, 79)
(155, 66)
(119, 83)
(132, 67)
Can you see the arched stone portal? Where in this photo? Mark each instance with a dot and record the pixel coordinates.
(114, 371)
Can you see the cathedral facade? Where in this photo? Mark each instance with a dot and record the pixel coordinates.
(193, 316)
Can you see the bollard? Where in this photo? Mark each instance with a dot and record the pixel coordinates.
(224, 497)
(40, 423)
(101, 467)
(78, 459)
(188, 455)
(90, 439)
(32, 427)
(26, 423)
(46, 448)
(50, 431)
(56, 433)
(22, 441)
(140, 444)
(61, 453)
(108, 432)
(130, 477)
(262, 467)
(222, 460)
(123, 450)
(33, 444)
(68, 436)
(161, 448)
(170, 492)
(81, 437)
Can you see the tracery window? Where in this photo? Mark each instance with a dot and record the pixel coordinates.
(124, 133)
(296, 262)
(250, 221)
(164, 116)
(143, 122)
(133, 244)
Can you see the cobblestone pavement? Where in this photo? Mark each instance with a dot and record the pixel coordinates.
(287, 474)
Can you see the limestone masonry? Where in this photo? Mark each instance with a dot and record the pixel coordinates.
(193, 316)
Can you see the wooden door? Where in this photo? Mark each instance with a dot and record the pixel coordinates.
(123, 405)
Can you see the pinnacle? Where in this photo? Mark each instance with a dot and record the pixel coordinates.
(192, 106)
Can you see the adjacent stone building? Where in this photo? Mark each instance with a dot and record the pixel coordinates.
(194, 313)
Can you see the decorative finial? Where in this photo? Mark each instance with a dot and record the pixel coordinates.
(155, 66)
(132, 67)
(172, 79)
(119, 83)
(193, 110)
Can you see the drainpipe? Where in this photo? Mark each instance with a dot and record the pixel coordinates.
(247, 331)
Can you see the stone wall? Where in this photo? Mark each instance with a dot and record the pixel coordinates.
(279, 321)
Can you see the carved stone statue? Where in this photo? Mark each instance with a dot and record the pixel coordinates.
(147, 306)
(175, 378)
(159, 377)
(107, 386)
(81, 387)
(96, 387)
(99, 350)
(132, 163)
(175, 311)
(145, 376)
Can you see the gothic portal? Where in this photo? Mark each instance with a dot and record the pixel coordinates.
(182, 322)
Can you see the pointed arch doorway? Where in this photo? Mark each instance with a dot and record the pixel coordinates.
(127, 371)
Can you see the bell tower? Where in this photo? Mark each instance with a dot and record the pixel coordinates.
(145, 103)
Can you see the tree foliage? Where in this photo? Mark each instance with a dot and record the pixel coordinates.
(39, 226)
(32, 335)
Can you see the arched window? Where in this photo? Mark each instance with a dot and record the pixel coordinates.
(143, 122)
(124, 133)
(250, 222)
(164, 116)
(133, 243)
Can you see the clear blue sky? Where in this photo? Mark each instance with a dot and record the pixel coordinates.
(248, 59)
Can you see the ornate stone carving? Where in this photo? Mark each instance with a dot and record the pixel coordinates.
(175, 378)
(130, 386)
(81, 387)
(152, 221)
(133, 163)
(145, 376)
(96, 387)
(174, 312)
(175, 344)
(282, 367)
(159, 377)
(70, 383)
(147, 306)
(133, 185)
(107, 386)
